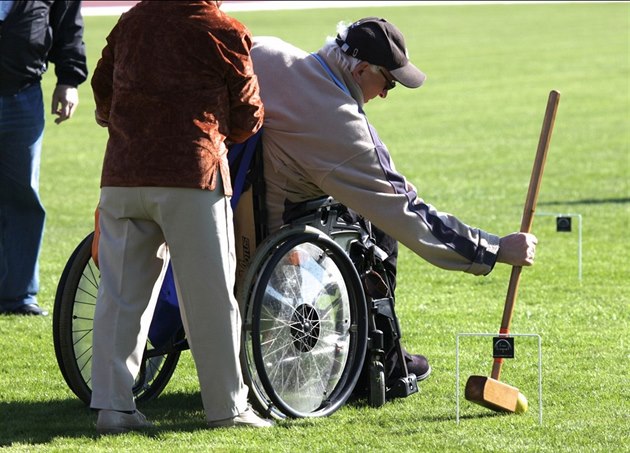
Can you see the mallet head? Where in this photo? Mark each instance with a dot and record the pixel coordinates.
(495, 395)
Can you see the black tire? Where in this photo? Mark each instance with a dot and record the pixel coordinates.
(73, 318)
(304, 340)
(376, 397)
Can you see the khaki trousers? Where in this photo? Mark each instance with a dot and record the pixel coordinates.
(198, 228)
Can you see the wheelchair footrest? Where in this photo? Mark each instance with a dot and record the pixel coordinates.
(403, 387)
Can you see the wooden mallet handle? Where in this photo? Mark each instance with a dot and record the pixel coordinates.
(528, 215)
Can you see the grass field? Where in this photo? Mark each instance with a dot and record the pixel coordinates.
(467, 140)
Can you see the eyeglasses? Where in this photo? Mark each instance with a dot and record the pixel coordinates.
(390, 84)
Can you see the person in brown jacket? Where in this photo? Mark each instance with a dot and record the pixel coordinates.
(175, 83)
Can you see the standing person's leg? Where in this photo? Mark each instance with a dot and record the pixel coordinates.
(129, 268)
(198, 228)
(22, 215)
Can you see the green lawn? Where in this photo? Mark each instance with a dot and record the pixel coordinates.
(467, 140)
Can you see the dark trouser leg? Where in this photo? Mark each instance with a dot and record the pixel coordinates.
(389, 245)
(22, 215)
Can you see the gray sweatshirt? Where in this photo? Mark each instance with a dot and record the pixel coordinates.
(317, 141)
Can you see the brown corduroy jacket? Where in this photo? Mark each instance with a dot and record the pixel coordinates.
(174, 83)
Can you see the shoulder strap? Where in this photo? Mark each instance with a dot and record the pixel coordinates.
(338, 82)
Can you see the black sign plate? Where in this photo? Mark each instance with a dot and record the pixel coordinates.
(563, 224)
(503, 347)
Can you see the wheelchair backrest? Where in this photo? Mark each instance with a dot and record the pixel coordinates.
(324, 213)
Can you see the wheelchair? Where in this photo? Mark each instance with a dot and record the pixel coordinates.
(318, 315)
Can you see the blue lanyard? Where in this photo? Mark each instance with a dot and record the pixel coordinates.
(338, 82)
(5, 9)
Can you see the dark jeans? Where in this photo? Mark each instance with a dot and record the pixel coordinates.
(22, 215)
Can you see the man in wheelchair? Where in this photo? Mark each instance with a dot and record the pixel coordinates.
(317, 141)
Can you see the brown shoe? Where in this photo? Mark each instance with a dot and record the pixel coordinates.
(418, 365)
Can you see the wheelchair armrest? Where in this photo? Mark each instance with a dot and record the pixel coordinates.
(298, 212)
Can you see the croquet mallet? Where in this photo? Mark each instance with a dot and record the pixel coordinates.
(489, 391)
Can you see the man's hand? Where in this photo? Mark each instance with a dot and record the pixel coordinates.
(517, 249)
(65, 99)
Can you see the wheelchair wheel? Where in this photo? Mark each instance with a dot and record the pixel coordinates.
(73, 318)
(304, 325)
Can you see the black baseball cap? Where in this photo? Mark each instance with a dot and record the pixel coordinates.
(379, 42)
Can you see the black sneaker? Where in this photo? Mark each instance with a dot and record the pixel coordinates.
(25, 310)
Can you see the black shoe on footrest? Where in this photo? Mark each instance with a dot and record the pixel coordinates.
(418, 365)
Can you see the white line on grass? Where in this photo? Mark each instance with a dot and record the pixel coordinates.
(231, 6)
